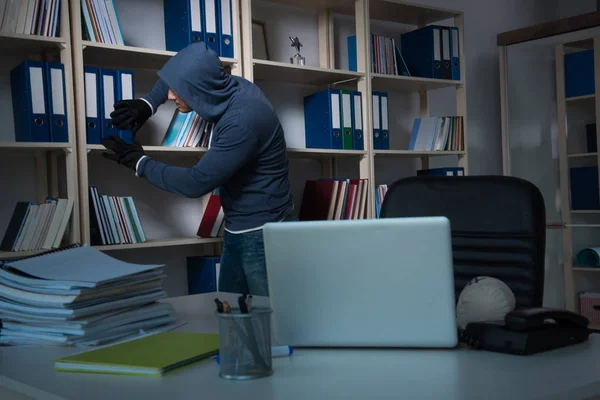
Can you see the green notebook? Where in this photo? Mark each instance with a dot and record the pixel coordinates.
(152, 355)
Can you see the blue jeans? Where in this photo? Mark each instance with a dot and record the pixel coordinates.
(243, 268)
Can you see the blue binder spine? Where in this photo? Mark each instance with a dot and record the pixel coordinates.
(57, 105)
(226, 30)
(385, 130)
(322, 120)
(579, 74)
(203, 274)
(125, 91)
(422, 51)
(352, 57)
(177, 18)
(357, 126)
(92, 105)
(210, 14)
(414, 134)
(30, 102)
(455, 53)
(377, 143)
(108, 97)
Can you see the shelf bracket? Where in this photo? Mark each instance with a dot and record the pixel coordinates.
(67, 150)
(345, 81)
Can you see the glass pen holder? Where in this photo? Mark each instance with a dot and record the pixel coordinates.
(245, 344)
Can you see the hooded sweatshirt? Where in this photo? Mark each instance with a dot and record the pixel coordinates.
(247, 158)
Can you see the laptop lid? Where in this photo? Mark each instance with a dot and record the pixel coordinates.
(373, 282)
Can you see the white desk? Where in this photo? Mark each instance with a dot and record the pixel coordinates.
(327, 374)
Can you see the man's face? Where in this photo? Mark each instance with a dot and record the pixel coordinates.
(181, 105)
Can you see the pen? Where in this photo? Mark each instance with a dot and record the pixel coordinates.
(276, 351)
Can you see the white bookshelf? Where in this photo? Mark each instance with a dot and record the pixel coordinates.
(56, 173)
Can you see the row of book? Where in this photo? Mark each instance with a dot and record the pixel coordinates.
(432, 51)
(188, 130)
(438, 134)
(103, 88)
(114, 220)
(39, 102)
(101, 22)
(185, 22)
(334, 199)
(30, 17)
(55, 299)
(380, 192)
(37, 226)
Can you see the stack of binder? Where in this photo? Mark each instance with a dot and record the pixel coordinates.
(114, 220)
(101, 22)
(437, 134)
(208, 21)
(30, 17)
(56, 299)
(381, 121)
(39, 103)
(386, 57)
(37, 226)
(103, 88)
(334, 199)
(432, 52)
(333, 120)
(188, 130)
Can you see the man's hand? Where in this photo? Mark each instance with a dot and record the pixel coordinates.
(130, 114)
(124, 153)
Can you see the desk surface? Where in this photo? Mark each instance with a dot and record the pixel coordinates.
(327, 374)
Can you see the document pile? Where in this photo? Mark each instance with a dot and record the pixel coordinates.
(79, 297)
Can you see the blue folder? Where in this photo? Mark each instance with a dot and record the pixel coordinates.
(92, 105)
(358, 142)
(579, 73)
(202, 274)
(108, 98)
(184, 23)
(57, 105)
(455, 53)
(584, 188)
(422, 51)
(322, 120)
(225, 28)
(125, 91)
(30, 102)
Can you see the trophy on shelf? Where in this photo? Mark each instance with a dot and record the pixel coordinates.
(297, 59)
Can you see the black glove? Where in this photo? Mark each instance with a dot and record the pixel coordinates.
(124, 153)
(130, 114)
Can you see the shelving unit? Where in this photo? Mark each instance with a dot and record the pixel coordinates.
(566, 160)
(51, 158)
(327, 75)
(134, 58)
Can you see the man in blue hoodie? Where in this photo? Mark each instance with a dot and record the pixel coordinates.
(246, 159)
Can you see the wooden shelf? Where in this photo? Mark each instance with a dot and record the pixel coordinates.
(325, 152)
(289, 73)
(13, 255)
(130, 56)
(581, 155)
(579, 98)
(21, 42)
(95, 148)
(401, 83)
(48, 146)
(160, 243)
(585, 211)
(584, 269)
(416, 153)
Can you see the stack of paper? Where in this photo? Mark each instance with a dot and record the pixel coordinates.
(79, 296)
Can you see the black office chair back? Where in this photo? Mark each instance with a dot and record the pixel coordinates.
(498, 227)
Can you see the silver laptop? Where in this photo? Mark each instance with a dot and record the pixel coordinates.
(374, 282)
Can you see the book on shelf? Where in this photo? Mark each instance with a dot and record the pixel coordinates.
(103, 88)
(100, 22)
(39, 102)
(442, 171)
(380, 192)
(56, 299)
(386, 57)
(114, 220)
(437, 134)
(188, 130)
(37, 226)
(213, 217)
(30, 17)
(334, 199)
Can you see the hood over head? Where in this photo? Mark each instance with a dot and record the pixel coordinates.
(196, 75)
